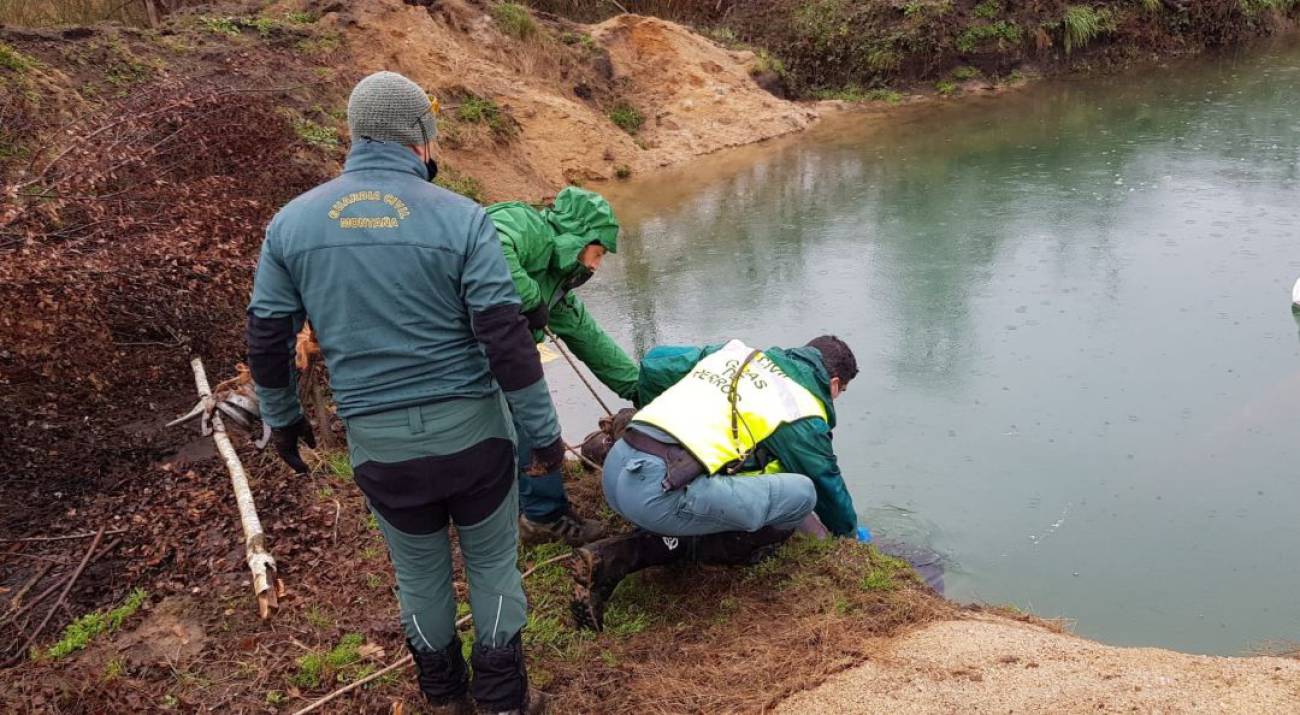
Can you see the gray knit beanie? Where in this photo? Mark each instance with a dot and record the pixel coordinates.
(388, 107)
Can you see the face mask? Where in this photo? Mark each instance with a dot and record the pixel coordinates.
(432, 167)
(579, 276)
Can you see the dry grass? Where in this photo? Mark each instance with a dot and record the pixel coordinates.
(715, 639)
(34, 13)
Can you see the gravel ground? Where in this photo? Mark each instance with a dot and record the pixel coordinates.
(991, 664)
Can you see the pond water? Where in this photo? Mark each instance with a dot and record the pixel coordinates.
(1080, 371)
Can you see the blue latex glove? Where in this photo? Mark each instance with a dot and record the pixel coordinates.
(863, 535)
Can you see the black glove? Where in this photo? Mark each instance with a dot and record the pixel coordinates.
(285, 440)
(547, 459)
(538, 317)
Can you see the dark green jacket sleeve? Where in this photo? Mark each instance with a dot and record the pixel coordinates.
(804, 447)
(663, 366)
(579, 331)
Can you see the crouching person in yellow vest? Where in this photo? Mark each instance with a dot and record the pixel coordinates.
(731, 452)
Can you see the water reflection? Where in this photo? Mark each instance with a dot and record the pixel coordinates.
(925, 209)
(1064, 303)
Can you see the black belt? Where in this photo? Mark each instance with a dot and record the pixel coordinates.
(683, 467)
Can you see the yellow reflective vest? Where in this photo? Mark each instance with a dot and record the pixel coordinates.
(728, 403)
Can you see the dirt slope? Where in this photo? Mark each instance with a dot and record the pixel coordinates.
(557, 85)
(988, 664)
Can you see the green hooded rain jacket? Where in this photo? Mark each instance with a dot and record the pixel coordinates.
(541, 249)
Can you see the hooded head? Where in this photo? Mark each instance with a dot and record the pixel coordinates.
(581, 217)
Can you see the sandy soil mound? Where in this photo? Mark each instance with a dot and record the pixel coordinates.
(703, 97)
(988, 664)
(558, 83)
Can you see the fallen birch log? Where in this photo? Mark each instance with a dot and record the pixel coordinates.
(260, 562)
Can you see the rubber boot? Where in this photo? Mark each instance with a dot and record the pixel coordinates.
(599, 567)
(443, 678)
(501, 681)
(737, 548)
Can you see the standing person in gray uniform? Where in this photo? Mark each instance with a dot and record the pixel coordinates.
(429, 356)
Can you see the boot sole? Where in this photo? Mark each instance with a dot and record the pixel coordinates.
(582, 566)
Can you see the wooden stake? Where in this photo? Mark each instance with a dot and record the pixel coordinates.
(258, 558)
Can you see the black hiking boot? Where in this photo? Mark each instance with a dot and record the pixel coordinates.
(737, 548)
(443, 678)
(599, 567)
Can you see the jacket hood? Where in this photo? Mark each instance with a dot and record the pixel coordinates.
(580, 217)
(804, 366)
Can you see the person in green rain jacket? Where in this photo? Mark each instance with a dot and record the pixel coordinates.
(551, 252)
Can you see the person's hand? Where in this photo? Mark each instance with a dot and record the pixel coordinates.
(538, 317)
(547, 459)
(285, 440)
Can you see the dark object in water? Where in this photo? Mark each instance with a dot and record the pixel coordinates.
(927, 562)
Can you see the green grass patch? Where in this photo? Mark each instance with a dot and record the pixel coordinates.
(316, 135)
(339, 664)
(299, 17)
(927, 9)
(318, 618)
(946, 87)
(514, 20)
(339, 464)
(1255, 7)
(463, 184)
(227, 26)
(883, 59)
(988, 10)
(965, 74)
(78, 634)
(320, 45)
(1082, 24)
(626, 117)
(854, 93)
(887, 573)
(481, 110)
(114, 669)
(579, 39)
(767, 63)
(998, 35)
(13, 60)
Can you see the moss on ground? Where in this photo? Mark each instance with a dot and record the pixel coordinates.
(83, 630)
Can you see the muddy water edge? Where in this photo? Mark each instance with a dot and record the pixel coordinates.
(1080, 370)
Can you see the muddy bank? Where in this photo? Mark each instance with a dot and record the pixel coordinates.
(534, 102)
